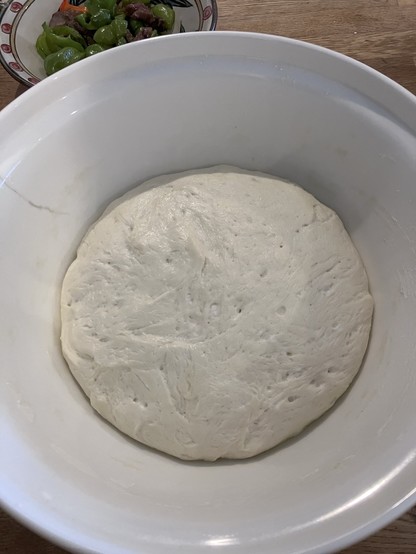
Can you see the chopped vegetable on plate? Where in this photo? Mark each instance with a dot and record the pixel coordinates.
(76, 32)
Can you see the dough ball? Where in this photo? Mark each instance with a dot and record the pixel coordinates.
(215, 314)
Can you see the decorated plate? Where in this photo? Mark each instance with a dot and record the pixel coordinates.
(21, 24)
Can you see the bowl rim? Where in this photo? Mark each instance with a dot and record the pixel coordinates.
(21, 73)
(345, 541)
(30, 517)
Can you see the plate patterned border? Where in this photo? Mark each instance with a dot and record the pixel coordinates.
(8, 56)
(12, 11)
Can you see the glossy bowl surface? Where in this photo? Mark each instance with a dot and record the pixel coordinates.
(91, 132)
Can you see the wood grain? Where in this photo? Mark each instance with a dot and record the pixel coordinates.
(380, 33)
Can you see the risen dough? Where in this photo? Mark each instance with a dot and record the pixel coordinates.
(215, 315)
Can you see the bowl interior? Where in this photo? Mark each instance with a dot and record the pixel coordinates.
(82, 138)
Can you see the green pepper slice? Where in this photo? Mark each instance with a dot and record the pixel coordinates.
(108, 35)
(64, 57)
(42, 46)
(165, 14)
(94, 49)
(94, 6)
(66, 31)
(56, 42)
(94, 22)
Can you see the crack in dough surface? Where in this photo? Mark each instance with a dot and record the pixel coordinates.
(215, 314)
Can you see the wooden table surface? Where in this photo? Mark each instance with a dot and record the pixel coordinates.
(380, 33)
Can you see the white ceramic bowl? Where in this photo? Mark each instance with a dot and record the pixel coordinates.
(21, 24)
(88, 134)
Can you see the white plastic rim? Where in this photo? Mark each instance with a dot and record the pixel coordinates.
(84, 136)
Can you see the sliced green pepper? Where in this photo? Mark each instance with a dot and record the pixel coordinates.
(135, 26)
(58, 60)
(94, 6)
(66, 31)
(56, 42)
(42, 46)
(165, 14)
(94, 49)
(108, 35)
(94, 22)
(84, 20)
(102, 17)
